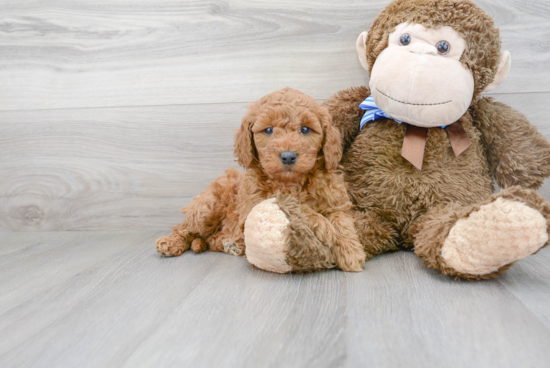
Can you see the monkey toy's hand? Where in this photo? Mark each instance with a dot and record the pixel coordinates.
(279, 237)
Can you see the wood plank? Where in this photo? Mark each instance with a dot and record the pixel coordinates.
(135, 166)
(58, 322)
(129, 168)
(23, 276)
(210, 309)
(123, 305)
(529, 281)
(401, 314)
(253, 319)
(70, 54)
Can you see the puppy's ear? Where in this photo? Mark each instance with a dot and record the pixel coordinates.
(244, 142)
(332, 142)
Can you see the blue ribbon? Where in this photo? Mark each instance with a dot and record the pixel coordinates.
(373, 112)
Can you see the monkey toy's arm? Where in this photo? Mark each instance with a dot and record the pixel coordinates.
(517, 153)
(346, 113)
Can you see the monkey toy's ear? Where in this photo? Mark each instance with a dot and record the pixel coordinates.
(504, 65)
(362, 49)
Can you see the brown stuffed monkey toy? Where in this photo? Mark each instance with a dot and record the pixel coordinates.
(422, 150)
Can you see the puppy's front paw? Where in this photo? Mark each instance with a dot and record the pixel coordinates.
(350, 256)
(171, 246)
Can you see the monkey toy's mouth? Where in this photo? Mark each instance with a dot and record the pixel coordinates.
(412, 103)
(425, 108)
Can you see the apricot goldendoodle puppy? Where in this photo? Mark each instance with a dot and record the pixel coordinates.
(291, 151)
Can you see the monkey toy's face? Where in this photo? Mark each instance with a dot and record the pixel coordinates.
(419, 78)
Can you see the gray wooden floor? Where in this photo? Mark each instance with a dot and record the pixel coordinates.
(115, 113)
(107, 299)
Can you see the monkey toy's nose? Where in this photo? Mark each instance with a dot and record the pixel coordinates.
(421, 48)
(288, 157)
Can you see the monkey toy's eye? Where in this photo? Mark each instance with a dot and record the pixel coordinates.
(268, 131)
(405, 39)
(443, 47)
(305, 130)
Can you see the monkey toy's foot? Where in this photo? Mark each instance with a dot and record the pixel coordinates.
(497, 234)
(482, 241)
(278, 239)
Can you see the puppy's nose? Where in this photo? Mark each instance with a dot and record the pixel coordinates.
(288, 157)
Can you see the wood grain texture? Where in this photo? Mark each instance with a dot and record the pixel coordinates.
(110, 168)
(528, 281)
(134, 167)
(69, 54)
(403, 314)
(129, 168)
(114, 114)
(98, 299)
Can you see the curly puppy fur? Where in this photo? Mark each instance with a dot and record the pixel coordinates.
(311, 190)
(399, 206)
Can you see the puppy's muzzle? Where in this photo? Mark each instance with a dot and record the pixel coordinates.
(288, 157)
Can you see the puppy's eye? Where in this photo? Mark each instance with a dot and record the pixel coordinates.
(268, 131)
(405, 39)
(443, 47)
(305, 130)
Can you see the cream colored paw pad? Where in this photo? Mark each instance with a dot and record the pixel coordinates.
(264, 234)
(499, 233)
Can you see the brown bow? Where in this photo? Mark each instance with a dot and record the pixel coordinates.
(415, 142)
